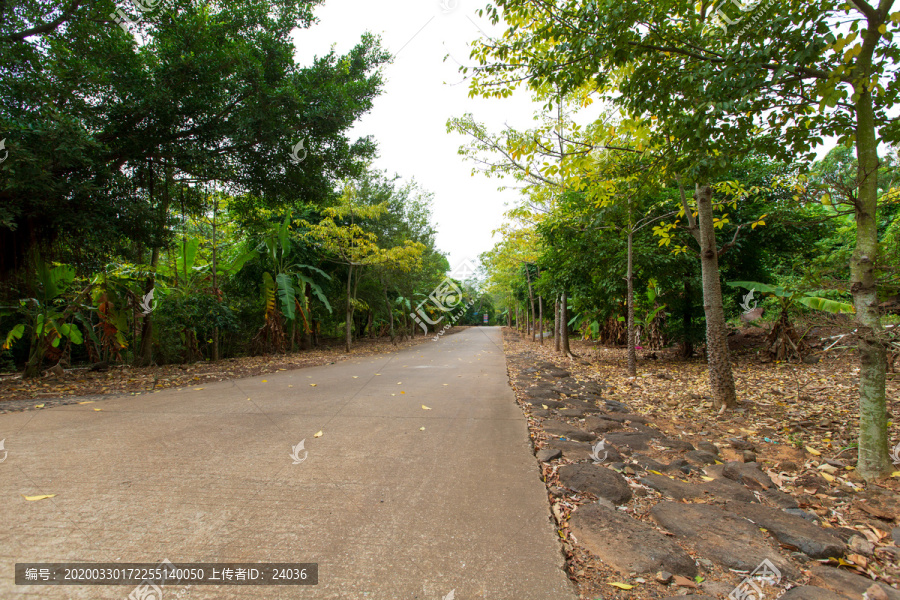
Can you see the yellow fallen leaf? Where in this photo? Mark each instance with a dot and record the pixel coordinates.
(265, 381)
(827, 477)
(39, 497)
(377, 374)
(705, 478)
(39, 406)
(621, 586)
(312, 385)
(421, 429)
(654, 472)
(813, 451)
(87, 402)
(895, 474)
(425, 407)
(318, 434)
(399, 382)
(402, 392)
(98, 409)
(356, 377)
(393, 394)
(446, 384)
(197, 389)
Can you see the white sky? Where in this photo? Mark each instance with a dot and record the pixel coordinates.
(408, 121)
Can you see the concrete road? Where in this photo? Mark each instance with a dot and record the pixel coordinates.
(387, 510)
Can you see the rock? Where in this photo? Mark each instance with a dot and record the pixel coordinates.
(616, 406)
(576, 450)
(708, 447)
(538, 394)
(647, 463)
(626, 544)
(739, 444)
(99, 366)
(802, 513)
(680, 490)
(806, 592)
(56, 371)
(563, 429)
(701, 458)
(844, 582)
(677, 444)
(597, 480)
(604, 503)
(600, 425)
(861, 545)
(780, 499)
(746, 473)
(542, 413)
(663, 577)
(811, 360)
(721, 536)
(548, 454)
(623, 417)
(748, 456)
(790, 529)
(706, 564)
(635, 441)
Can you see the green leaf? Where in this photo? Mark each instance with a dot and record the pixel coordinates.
(15, 334)
(826, 305)
(287, 295)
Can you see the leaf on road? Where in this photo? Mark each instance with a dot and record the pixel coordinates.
(38, 497)
(312, 385)
(421, 429)
(425, 407)
(318, 434)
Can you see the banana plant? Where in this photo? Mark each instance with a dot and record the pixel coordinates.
(285, 293)
(46, 315)
(783, 341)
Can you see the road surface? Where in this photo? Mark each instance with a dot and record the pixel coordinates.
(387, 510)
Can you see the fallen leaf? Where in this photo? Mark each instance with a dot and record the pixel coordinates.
(265, 381)
(402, 392)
(705, 478)
(421, 429)
(312, 385)
(425, 407)
(356, 377)
(684, 582)
(39, 406)
(318, 434)
(98, 409)
(197, 389)
(827, 477)
(813, 451)
(87, 402)
(621, 586)
(40, 497)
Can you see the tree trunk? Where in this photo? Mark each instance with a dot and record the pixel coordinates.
(531, 301)
(629, 276)
(349, 322)
(873, 458)
(541, 319)
(556, 324)
(564, 326)
(721, 381)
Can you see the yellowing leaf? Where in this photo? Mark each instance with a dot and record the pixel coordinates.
(39, 406)
(312, 385)
(356, 377)
(827, 477)
(39, 497)
(197, 389)
(705, 478)
(896, 474)
(87, 402)
(98, 409)
(813, 451)
(265, 381)
(621, 586)
(402, 392)
(318, 434)
(421, 429)
(545, 407)
(425, 407)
